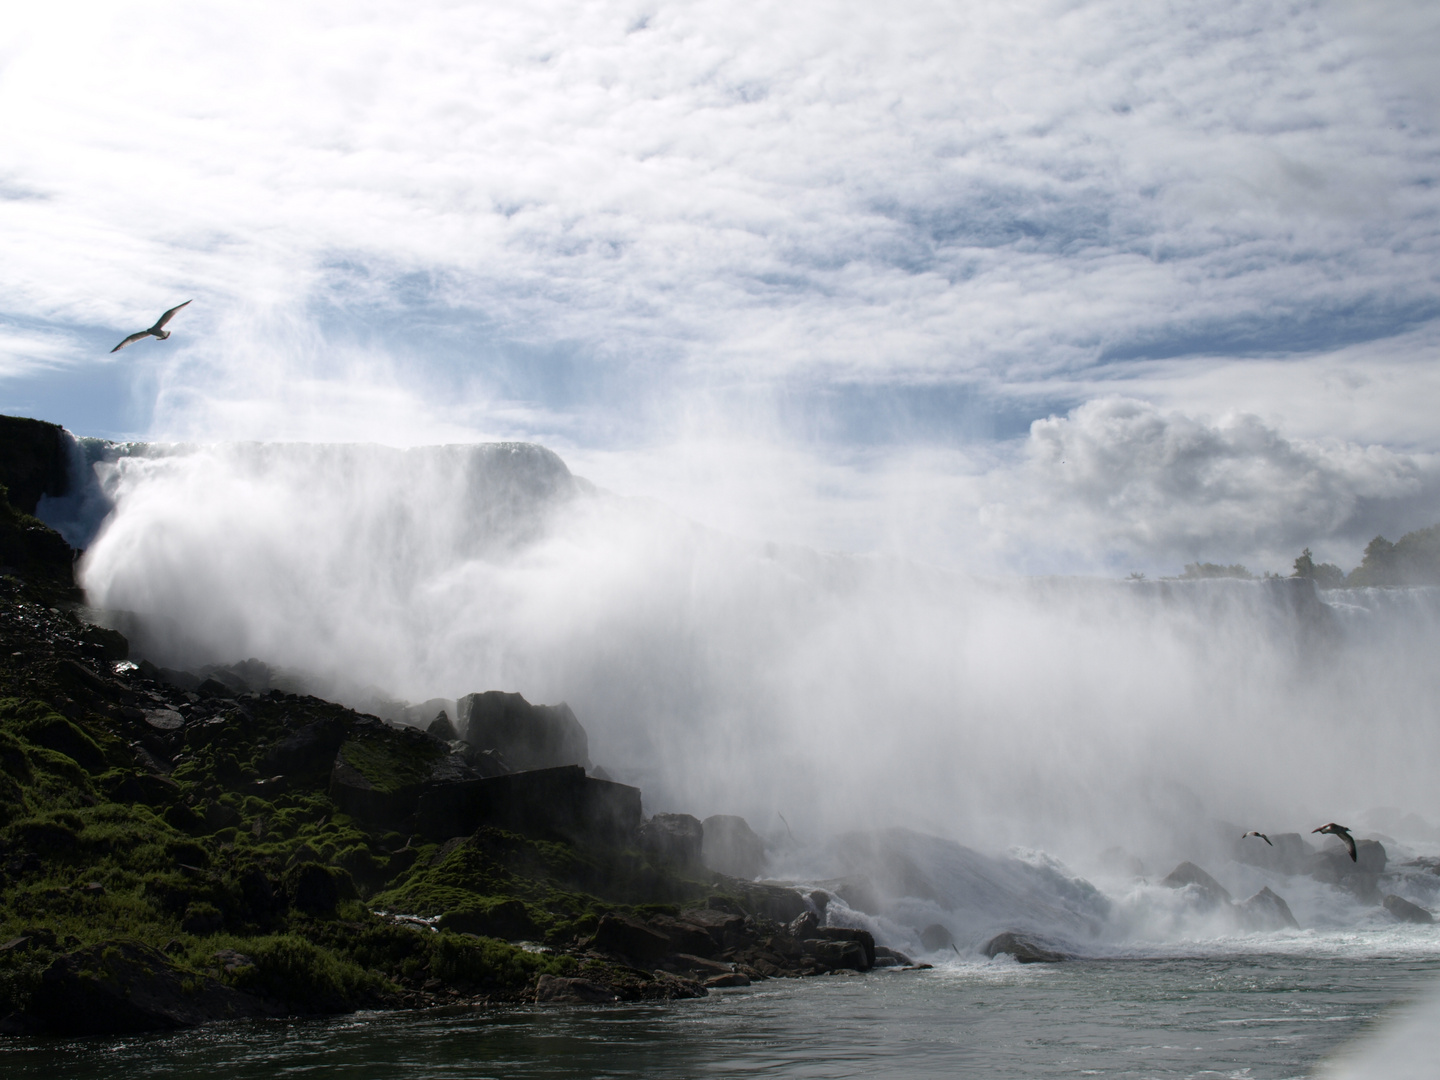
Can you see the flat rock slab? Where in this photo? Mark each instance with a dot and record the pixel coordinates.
(164, 719)
(123, 987)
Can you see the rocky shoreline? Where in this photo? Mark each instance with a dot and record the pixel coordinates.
(184, 847)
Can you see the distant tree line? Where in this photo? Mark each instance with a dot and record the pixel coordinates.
(1413, 560)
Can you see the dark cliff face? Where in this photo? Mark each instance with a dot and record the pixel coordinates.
(34, 461)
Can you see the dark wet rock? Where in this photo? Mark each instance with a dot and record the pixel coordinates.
(630, 937)
(1187, 874)
(34, 461)
(1025, 948)
(561, 801)
(700, 966)
(833, 955)
(310, 749)
(124, 987)
(778, 903)
(312, 889)
(804, 925)
(672, 838)
(102, 643)
(936, 937)
(727, 980)
(442, 728)
(560, 990)
(863, 938)
(1405, 911)
(529, 736)
(684, 936)
(215, 688)
(508, 920)
(729, 846)
(726, 928)
(1266, 911)
(887, 957)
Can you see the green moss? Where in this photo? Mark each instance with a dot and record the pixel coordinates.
(390, 761)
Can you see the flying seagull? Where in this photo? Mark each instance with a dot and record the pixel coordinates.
(1261, 835)
(157, 331)
(1343, 833)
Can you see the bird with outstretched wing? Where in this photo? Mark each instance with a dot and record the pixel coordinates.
(156, 331)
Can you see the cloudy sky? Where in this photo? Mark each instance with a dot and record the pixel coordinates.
(1039, 285)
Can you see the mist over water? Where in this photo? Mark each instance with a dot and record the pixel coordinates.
(730, 676)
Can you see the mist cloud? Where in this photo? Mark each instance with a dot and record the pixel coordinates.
(1123, 477)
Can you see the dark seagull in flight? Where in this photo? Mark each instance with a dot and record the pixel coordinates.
(156, 331)
(1261, 835)
(1343, 833)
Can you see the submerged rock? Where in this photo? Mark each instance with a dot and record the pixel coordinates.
(1024, 948)
(123, 987)
(1405, 911)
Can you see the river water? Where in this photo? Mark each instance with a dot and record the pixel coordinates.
(1252, 1013)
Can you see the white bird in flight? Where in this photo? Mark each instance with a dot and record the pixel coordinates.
(156, 331)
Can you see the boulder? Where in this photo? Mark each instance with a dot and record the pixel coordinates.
(312, 889)
(560, 990)
(630, 937)
(731, 847)
(673, 838)
(863, 938)
(123, 987)
(936, 937)
(1405, 911)
(685, 936)
(442, 728)
(508, 920)
(804, 925)
(886, 957)
(837, 955)
(529, 736)
(774, 902)
(1266, 911)
(1025, 948)
(562, 801)
(1187, 874)
(725, 928)
(310, 749)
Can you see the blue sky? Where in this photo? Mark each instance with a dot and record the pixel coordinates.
(1048, 286)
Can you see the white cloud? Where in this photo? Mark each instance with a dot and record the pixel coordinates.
(1119, 482)
(640, 233)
